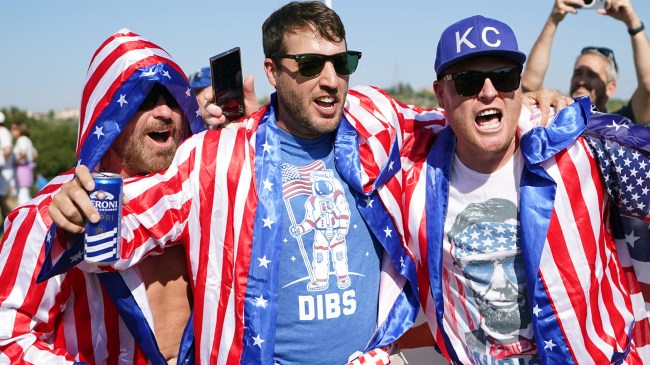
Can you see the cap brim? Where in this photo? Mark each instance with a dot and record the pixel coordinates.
(516, 56)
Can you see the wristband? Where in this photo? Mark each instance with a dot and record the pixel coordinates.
(634, 31)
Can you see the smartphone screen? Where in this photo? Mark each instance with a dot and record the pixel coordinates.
(227, 83)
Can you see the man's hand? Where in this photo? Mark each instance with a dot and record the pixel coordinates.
(546, 99)
(71, 205)
(215, 115)
(622, 10)
(562, 8)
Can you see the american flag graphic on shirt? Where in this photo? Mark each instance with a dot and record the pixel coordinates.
(586, 304)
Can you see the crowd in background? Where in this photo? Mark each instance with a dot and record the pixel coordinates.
(17, 163)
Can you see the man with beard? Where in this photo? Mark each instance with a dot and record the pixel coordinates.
(561, 181)
(233, 195)
(136, 109)
(595, 70)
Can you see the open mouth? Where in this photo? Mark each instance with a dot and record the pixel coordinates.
(326, 104)
(488, 120)
(160, 136)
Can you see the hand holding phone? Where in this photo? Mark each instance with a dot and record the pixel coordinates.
(227, 84)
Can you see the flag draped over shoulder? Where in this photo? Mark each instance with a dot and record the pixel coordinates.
(215, 198)
(586, 306)
(71, 318)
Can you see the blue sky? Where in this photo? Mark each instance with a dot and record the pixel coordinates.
(46, 46)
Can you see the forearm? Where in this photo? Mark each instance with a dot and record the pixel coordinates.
(641, 52)
(539, 58)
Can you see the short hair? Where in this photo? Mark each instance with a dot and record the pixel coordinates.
(299, 15)
(612, 69)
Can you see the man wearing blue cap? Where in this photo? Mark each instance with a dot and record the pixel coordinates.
(200, 82)
(517, 262)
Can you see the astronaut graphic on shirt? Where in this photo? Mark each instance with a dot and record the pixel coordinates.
(327, 213)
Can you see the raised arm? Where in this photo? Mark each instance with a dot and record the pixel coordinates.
(640, 100)
(540, 55)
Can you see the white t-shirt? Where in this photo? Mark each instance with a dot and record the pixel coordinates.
(5, 141)
(24, 147)
(486, 309)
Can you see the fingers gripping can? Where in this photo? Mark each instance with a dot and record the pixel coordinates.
(102, 239)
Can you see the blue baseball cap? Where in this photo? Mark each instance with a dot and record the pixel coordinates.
(476, 36)
(200, 79)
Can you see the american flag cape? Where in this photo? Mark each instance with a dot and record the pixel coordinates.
(587, 307)
(222, 197)
(77, 317)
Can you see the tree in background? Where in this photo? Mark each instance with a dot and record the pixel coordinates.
(55, 140)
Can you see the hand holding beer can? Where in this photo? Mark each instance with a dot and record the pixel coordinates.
(102, 239)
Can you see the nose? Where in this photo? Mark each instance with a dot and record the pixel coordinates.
(161, 110)
(328, 77)
(488, 92)
(499, 279)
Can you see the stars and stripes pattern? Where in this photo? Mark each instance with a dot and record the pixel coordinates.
(583, 307)
(121, 73)
(70, 318)
(295, 179)
(221, 179)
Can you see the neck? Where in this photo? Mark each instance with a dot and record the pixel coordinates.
(112, 162)
(486, 162)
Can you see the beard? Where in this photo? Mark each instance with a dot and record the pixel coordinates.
(297, 106)
(504, 322)
(143, 159)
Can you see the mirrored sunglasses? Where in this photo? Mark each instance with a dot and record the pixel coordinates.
(311, 64)
(152, 98)
(468, 83)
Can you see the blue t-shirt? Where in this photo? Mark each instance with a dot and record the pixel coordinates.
(330, 262)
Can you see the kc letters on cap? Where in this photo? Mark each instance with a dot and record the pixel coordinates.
(476, 36)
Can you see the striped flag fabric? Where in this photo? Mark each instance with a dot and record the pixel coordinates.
(217, 172)
(586, 306)
(121, 73)
(70, 319)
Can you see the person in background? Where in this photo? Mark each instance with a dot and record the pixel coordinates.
(40, 182)
(24, 161)
(594, 74)
(6, 166)
(134, 114)
(595, 70)
(200, 82)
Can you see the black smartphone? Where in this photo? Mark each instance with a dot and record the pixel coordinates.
(227, 83)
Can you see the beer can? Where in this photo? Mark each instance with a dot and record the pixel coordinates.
(102, 239)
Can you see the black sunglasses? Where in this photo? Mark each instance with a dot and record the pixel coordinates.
(468, 83)
(603, 51)
(311, 64)
(152, 98)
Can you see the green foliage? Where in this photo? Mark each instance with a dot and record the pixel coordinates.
(615, 104)
(55, 141)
